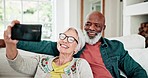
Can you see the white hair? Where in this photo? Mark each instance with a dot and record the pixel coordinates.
(81, 38)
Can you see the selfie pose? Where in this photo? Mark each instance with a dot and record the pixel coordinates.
(45, 66)
(105, 57)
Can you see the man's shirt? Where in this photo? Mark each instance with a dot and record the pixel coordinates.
(93, 56)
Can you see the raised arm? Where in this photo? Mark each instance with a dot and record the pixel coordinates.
(11, 49)
(42, 47)
(27, 66)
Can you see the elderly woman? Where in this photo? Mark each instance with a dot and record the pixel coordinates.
(45, 66)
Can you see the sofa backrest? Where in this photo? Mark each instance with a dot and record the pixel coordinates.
(134, 41)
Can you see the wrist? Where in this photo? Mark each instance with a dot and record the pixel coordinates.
(11, 52)
(11, 45)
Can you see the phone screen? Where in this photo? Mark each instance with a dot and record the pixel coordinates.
(26, 32)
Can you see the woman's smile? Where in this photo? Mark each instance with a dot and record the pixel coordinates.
(64, 46)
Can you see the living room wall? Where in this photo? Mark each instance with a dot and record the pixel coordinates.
(113, 15)
(67, 13)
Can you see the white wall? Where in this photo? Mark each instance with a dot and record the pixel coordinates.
(87, 8)
(58, 15)
(67, 13)
(113, 18)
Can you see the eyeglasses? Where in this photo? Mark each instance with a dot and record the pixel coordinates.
(70, 39)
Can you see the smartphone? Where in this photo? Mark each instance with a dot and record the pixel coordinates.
(26, 32)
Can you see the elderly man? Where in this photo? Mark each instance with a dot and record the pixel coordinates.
(105, 56)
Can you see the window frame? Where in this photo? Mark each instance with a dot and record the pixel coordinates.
(6, 22)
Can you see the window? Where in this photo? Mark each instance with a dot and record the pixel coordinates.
(28, 11)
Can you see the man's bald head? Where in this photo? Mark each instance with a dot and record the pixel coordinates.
(96, 16)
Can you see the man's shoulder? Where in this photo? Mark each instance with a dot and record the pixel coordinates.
(114, 47)
(112, 41)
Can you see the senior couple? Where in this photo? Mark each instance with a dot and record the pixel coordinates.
(72, 56)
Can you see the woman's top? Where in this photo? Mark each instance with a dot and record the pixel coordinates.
(58, 70)
(41, 67)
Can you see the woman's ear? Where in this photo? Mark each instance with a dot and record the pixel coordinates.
(75, 52)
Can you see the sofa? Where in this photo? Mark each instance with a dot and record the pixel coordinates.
(135, 44)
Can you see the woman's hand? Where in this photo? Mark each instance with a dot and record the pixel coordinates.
(7, 34)
(11, 48)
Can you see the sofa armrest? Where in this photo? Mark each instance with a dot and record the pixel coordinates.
(6, 71)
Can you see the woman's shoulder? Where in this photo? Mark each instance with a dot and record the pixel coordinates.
(45, 57)
(80, 61)
(45, 62)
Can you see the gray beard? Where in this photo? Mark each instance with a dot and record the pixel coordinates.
(94, 40)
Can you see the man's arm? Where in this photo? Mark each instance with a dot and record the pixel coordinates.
(42, 47)
(130, 67)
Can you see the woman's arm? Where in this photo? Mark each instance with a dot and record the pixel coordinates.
(20, 64)
(42, 47)
(85, 70)
(11, 50)
(25, 65)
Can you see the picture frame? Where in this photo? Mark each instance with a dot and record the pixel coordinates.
(98, 5)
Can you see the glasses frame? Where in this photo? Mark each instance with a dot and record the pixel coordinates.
(67, 38)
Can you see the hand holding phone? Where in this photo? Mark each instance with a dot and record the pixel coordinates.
(26, 32)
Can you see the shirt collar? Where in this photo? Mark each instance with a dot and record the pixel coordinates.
(104, 43)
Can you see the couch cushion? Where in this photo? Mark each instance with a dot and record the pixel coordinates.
(140, 56)
(134, 41)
